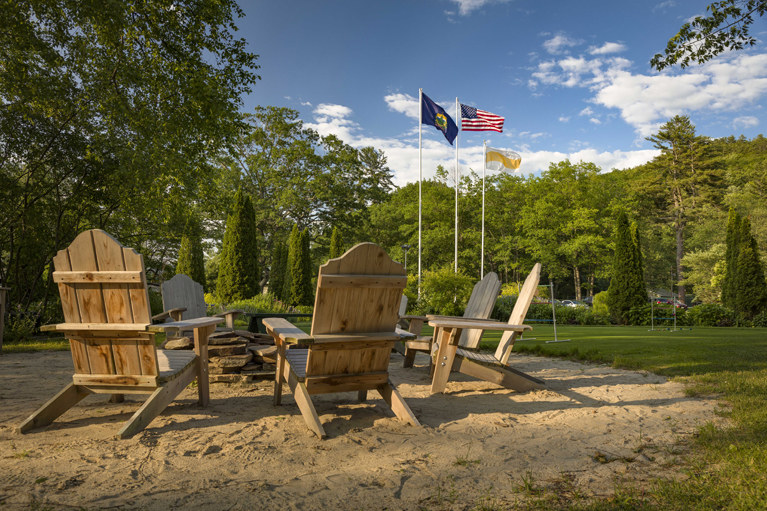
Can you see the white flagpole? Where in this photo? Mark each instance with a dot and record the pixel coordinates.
(484, 164)
(420, 178)
(458, 119)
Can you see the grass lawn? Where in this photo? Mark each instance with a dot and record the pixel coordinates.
(727, 468)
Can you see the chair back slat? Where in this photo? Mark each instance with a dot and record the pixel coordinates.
(480, 305)
(519, 312)
(98, 284)
(182, 291)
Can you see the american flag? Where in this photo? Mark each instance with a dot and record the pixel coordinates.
(474, 119)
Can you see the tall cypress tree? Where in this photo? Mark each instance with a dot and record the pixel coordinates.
(190, 256)
(279, 267)
(306, 275)
(336, 244)
(749, 286)
(731, 259)
(294, 247)
(626, 284)
(638, 283)
(238, 276)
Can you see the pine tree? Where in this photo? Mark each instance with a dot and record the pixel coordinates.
(731, 259)
(306, 276)
(238, 276)
(638, 284)
(627, 288)
(749, 286)
(279, 268)
(190, 256)
(336, 244)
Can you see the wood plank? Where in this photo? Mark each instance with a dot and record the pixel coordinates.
(504, 376)
(102, 327)
(54, 407)
(182, 291)
(90, 300)
(115, 380)
(367, 281)
(344, 382)
(97, 277)
(519, 313)
(398, 405)
(139, 294)
(485, 325)
(67, 292)
(480, 305)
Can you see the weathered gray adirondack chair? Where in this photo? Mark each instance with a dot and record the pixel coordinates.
(183, 298)
(480, 306)
(490, 367)
(352, 334)
(106, 316)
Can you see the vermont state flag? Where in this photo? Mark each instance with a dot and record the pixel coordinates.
(434, 115)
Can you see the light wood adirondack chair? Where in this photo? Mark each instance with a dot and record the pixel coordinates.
(106, 312)
(493, 368)
(183, 298)
(480, 306)
(352, 334)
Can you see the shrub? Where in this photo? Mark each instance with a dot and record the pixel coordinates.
(761, 319)
(261, 303)
(19, 327)
(600, 303)
(710, 314)
(155, 301)
(445, 292)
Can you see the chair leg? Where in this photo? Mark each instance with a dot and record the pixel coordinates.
(279, 376)
(397, 404)
(504, 376)
(117, 398)
(304, 402)
(409, 358)
(157, 402)
(57, 405)
(362, 395)
(443, 363)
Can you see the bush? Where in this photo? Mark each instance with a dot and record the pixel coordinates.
(19, 327)
(261, 303)
(600, 303)
(445, 292)
(761, 319)
(155, 301)
(710, 314)
(503, 307)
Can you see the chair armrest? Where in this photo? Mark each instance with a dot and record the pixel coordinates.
(229, 316)
(285, 332)
(174, 314)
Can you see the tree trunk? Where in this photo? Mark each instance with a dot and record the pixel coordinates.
(577, 282)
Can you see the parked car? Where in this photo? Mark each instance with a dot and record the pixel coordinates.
(574, 303)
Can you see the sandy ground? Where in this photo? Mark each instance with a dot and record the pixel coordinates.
(479, 444)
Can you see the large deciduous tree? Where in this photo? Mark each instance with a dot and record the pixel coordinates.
(726, 27)
(110, 114)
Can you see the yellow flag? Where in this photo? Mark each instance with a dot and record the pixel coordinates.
(507, 159)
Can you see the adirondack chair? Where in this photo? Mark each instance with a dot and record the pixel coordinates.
(183, 298)
(480, 306)
(351, 337)
(493, 368)
(106, 312)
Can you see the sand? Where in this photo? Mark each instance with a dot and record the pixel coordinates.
(479, 444)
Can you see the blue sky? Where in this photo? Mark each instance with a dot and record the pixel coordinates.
(571, 77)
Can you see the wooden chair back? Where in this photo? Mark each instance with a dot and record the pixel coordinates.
(357, 293)
(182, 291)
(480, 305)
(519, 312)
(106, 311)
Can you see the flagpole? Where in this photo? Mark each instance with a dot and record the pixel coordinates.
(420, 179)
(457, 116)
(484, 164)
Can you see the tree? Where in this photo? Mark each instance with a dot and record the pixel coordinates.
(750, 287)
(626, 285)
(277, 275)
(191, 260)
(238, 275)
(731, 255)
(299, 282)
(680, 173)
(111, 113)
(725, 28)
(336, 244)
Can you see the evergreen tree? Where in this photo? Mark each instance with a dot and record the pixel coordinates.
(306, 295)
(336, 244)
(279, 267)
(294, 246)
(731, 259)
(626, 285)
(190, 257)
(749, 285)
(638, 276)
(238, 276)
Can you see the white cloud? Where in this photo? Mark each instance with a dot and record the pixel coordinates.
(466, 6)
(744, 122)
(587, 111)
(331, 110)
(607, 48)
(563, 118)
(559, 44)
(646, 101)
(403, 103)
(594, 120)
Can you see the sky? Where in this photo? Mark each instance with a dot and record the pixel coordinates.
(571, 77)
